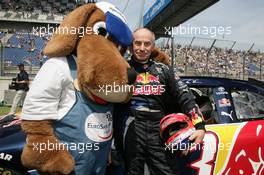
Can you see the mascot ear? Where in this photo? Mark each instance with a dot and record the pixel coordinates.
(66, 36)
(160, 56)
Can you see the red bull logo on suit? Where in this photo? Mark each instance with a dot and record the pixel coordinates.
(148, 84)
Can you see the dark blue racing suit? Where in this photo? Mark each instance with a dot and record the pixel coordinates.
(158, 92)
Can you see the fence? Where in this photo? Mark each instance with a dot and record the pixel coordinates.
(214, 57)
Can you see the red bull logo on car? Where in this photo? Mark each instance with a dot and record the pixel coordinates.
(228, 150)
(245, 157)
(148, 84)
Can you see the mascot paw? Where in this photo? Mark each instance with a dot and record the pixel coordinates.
(47, 155)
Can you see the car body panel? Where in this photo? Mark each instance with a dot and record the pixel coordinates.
(227, 150)
(12, 141)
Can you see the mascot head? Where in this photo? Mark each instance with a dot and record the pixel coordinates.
(98, 35)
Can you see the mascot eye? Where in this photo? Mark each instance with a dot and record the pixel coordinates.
(102, 31)
(99, 28)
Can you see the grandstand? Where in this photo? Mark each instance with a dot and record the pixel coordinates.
(222, 62)
(19, 42)
(24, 14)
(20, 47)
(18, 19)
(43, 11)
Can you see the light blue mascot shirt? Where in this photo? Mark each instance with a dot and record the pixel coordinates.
(86, 131)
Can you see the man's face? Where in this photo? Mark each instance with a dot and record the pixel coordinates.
(143, 44)
(21, 68)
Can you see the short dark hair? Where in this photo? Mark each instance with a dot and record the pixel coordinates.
(20, 65)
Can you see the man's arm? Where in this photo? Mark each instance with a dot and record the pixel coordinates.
(25, 79)
(186, 100)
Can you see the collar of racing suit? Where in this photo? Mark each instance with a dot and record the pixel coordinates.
(140, 67)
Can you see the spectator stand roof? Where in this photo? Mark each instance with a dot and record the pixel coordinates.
(172, 13)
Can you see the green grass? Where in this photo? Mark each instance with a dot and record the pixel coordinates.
(5, 110)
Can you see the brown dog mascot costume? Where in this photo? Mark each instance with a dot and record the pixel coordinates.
(69, 99)
(67, 114)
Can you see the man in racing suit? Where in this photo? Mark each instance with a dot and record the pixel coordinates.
(155, 90)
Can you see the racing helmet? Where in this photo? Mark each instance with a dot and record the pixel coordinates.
(175, 129)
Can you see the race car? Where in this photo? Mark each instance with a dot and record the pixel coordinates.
(234, 141)
(233, 144)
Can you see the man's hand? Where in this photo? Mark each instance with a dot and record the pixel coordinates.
(197, 136)
(19, 82)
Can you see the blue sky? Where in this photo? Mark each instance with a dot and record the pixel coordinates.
(244, 17)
